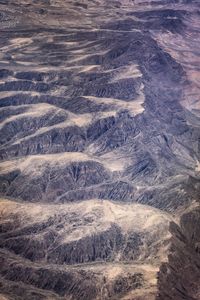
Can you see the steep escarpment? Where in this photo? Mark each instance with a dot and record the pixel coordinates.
(183, 261)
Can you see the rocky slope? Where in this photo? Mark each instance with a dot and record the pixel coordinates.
(99, 150)
(179, 277)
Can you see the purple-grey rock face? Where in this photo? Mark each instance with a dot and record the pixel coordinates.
(99, 150)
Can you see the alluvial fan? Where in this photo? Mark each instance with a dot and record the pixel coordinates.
(99, 150)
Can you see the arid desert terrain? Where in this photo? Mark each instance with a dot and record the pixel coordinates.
(99, 150)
